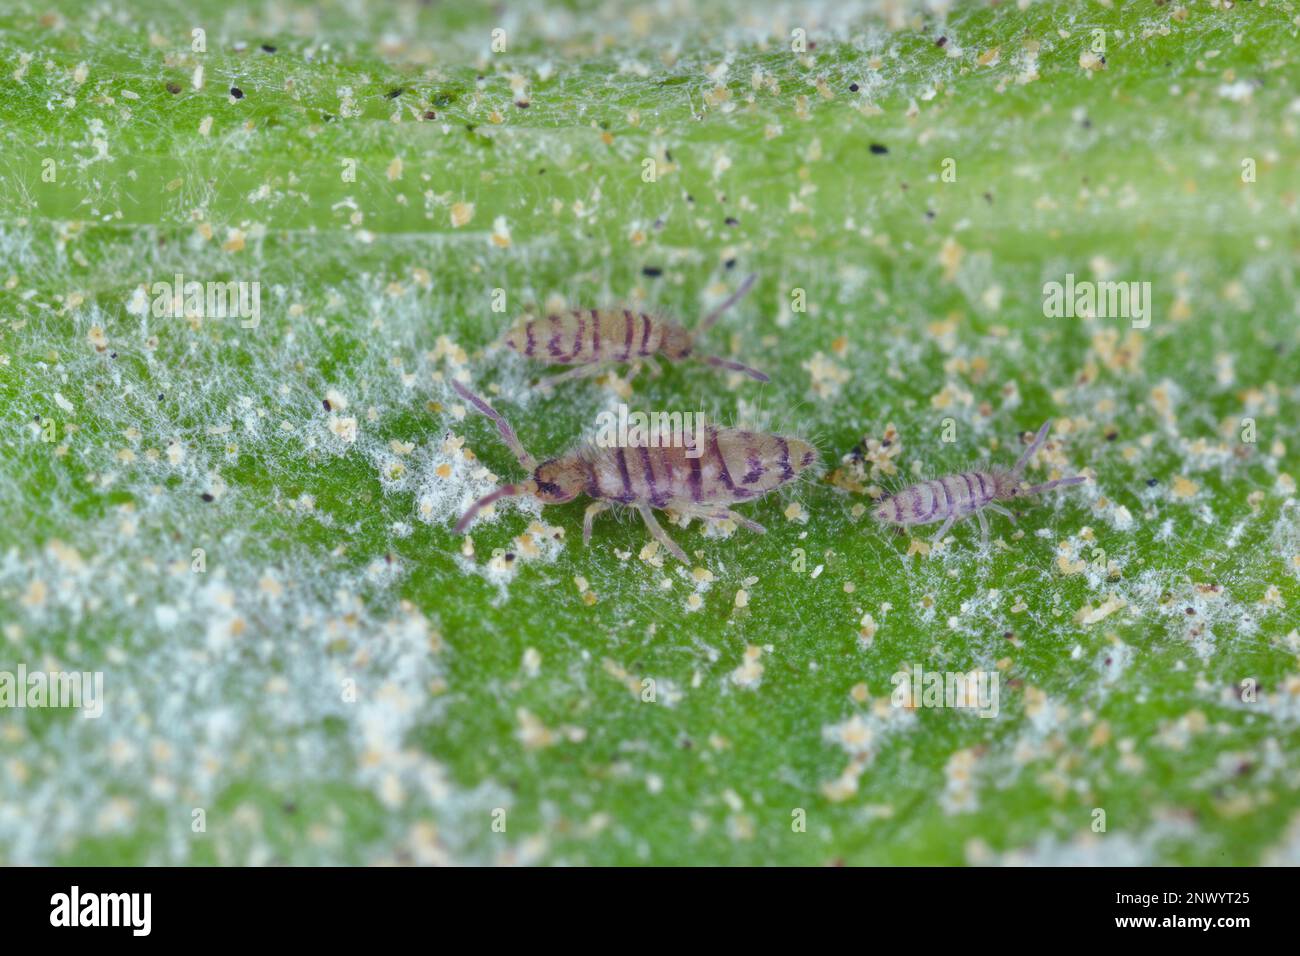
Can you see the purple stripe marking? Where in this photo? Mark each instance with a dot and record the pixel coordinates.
(553, 346)
(970, 503)
(984, 496)
(577, 339)
(655, 499)
(725, 474)
(916, 499)
(593, 486)
(595, 336)
(622, 471)
(696, 479)
(786, 471)
(627, 340)
(645, 334)
(947, 497)
(532, 343)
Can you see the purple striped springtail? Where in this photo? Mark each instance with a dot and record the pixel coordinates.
(734, 466)
(953, 497)
(590, 340)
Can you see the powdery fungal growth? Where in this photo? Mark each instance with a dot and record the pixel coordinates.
(593, 339)
(953, 497)
(734, 466)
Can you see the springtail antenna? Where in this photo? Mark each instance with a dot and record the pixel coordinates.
(734, 366)
(1029, 452)
(505, 491)
(731, 300)
(1058, 483)
(503, 426)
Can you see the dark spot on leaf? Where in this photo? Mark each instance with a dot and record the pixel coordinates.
(853, 87)
(1152, 482)
(173, 88)
(236, 92)
(430, 114)
(941, 42)
(207, 496)
(652, 271)
(879, 149)
(394, 94)
(732, 221)
(266, 47)
(326, 403)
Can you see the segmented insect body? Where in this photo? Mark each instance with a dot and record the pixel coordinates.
(734, 466)
(953, 497)
(591, 339)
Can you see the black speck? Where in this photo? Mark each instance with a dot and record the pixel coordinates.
(207, 496)
(730, 264)
(326, 403)
(542, 171)
(690, 199)
(430, 114)
(160, 396)
(1190, 611)
(112, 355)
(879, 149)
(853, 87)
(732, 221)
(652, 271)
(929, 214)
(394, 94)
(988, 198)
(668, 155)
(173, 88)
(522, 104)
(510, 555)
(327, 117)
(267, 48)
(941, 42)
(236, 92)
(1111, 436)
(1008, 635)
(1151, 482)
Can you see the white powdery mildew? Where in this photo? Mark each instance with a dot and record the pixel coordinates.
(859, 736)
(1143, 848)
(243, 661)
